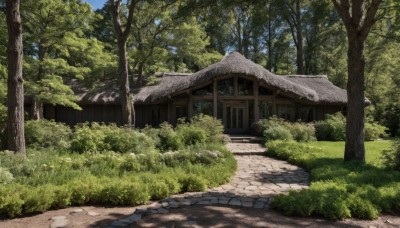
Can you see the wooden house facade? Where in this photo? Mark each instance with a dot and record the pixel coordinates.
(234, 90)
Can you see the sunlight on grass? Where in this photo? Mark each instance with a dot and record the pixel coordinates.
(373, 149)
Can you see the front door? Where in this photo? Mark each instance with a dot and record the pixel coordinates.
(235, 118)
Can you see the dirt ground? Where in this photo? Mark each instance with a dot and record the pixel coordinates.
(191, 216)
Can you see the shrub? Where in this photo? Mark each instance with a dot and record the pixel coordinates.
(86, 138)
(302, 132)
(47, 133)
(332, 128)
(191, 135)
(123, 193)
(38, 199)
(264, 124)
(100, 137)
(212, 127)
(5, 176)
(279, 129)
(391, 157)
(277, 133)
(168, 138)
(191, 183)
(374, 131)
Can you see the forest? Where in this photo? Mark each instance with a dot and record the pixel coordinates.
(69, 39)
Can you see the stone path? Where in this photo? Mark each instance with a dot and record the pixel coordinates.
(257, 181)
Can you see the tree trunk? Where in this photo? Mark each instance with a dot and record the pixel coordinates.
(36, 110)
(140, 73)
(299, 35)
(126, 99)
(15, 94)
(354, 148)
(37, 106)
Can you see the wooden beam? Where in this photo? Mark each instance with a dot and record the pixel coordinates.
(215, 98)
(256, 105)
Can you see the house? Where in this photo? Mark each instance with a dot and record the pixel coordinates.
(235, 90)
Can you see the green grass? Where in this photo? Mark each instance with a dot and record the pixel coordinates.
(372, 155)
(338, 189)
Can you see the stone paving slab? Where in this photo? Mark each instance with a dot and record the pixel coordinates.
(246, 148)
(258, 179)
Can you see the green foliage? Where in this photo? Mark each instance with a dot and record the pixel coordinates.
(391, 157)
(54, 178)
(302, 132)
(338, 190)
(374, 131)
(277, 133)
(46, 133)
(168, 138)
(213, 128)
(152, 81)
(100, 137)
(5, 176)
(191, 183)
(191, 135)
(277, 128)
(332, 128)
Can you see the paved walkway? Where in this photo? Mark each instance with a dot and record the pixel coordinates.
(257, 181)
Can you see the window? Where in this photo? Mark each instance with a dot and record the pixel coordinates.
(251, 111)
(155, 116)
(225, 87)
(305, 114)
(204, 91)
(203, 106)
(265, 108)
(180, 111)
(286, 112)
(264, 91)
(245, 87)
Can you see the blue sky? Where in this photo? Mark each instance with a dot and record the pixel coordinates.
(96, 3)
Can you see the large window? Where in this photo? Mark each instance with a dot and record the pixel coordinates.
(180, 111)
(225, 87)
(286, 112)
(245, 87)
(203, 106)
(265, 108)
(204, 91)
(305, 114)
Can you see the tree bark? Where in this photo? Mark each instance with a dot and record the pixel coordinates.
(299, 35)
(122, 36)
(37, 106)
(354, 147)
(15, 94)
(124, 88)
(358, 25)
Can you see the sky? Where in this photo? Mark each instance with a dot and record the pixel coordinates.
(96, 3)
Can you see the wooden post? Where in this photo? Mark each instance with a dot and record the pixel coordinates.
(256, 105)
(190, 105)
(274, 111)
(215, 99)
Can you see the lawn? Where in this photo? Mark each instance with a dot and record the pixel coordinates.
(338, 189)
(373, 149)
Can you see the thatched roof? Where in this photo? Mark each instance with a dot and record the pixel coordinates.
(315, 89)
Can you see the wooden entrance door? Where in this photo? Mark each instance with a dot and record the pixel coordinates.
(235, 120)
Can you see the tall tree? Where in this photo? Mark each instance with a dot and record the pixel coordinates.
(15, 94)
(292, 12)
(52, 29)
(358, 16)
(122, 37)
